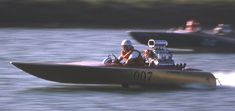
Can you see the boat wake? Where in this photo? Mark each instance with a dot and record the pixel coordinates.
(225, 79)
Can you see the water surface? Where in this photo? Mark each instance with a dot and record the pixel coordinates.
(22, 92)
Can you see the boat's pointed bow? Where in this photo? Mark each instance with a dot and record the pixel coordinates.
(17, 64)
(27, 67)
(14, 63)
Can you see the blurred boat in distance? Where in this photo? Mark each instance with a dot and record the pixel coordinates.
(220, 40)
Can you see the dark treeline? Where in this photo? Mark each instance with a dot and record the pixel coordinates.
(70, 13)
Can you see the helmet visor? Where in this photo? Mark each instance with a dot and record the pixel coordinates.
(124, 47)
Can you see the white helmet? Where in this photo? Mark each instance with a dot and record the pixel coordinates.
(126, 42)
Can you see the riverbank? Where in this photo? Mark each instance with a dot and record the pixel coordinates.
(113, 14)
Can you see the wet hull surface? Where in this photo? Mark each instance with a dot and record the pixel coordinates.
(78, 74)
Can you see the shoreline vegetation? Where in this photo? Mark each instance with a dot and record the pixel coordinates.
(114, 13)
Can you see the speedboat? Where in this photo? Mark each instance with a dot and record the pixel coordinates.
(221, 39)
(163, 74)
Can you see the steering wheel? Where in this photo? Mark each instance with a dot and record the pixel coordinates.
(114, 58)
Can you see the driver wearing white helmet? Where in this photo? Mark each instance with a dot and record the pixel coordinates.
(129, 55)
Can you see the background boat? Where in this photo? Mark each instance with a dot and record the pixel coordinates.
(198, 41)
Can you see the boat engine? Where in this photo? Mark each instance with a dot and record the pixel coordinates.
(158, 54)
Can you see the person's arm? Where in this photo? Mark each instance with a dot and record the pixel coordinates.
(119, 59)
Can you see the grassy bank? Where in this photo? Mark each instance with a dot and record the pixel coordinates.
(114, 13)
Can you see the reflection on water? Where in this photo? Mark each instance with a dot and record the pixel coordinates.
(20, 91)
